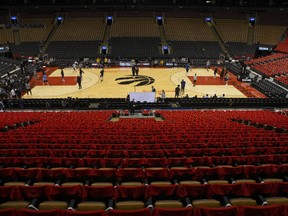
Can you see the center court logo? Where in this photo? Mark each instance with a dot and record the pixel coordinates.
(140, 80)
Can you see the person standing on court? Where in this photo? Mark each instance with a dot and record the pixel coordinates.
(194, 80)
(81, 73)
(102, 74)
(177, 91)
(208, 65)
(45, 80)
(133, 70)
(136, 70)
(222, 74)
(187, 67)
(74, 66)
(78, 79)
(215, 72)
(62, 75)
(173, 62)
(28, 88)
(183, 84)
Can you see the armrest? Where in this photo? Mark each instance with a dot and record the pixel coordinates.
(226, 201)
(111, 203)
(187, 202)
(72, 204)
(87, 182)
(149, 203)
(33, 204)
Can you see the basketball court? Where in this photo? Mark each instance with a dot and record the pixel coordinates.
(118, 82)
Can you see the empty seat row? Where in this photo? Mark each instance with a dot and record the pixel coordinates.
(142, 162)
(201, 211)
(88, 198)
(13, 151)
(202, 174)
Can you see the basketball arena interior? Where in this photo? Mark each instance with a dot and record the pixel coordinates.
(143, 108)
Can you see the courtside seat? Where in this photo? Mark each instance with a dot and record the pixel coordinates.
(78, 172)
(130, 197)
(155, 183)
(14, 204)
(272, 180)
(199, 195)
(102, 184)
(96, 198)
(131, 184)
(43, 183)
(168, 204)
(158, 175)
(61, 197)
(103, 176)
(182, 174)
(49, 205)
(14, 183)
(212, 203)
(72, 183)
(91, 206)
(240, 181)
(51, 176)
(280, 197)
(24, 196)
(165, 196)
(189, 182)
(242, 201)
(136, 176)
(218, 181)
(276, 200)
(129, 205)
(7, 202)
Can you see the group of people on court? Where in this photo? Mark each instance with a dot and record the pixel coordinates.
(79, 78)
(180, 89)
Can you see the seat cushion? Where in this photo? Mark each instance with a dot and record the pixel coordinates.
(168, 204)
(243, 201)
(218, 181)
(277, 200)
(14, 204)
(206, 203)
(72, 184)
(48, 205)
(102, 184)
(160, 183)
(129, 205)
(131, 183)
(272, 180)
(189, 182)
(178, 168)
(245, 181)
(91, 206)
(83, 168)
(43, 183)
(14, 183)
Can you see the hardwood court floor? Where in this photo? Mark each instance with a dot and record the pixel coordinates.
(118, 82)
